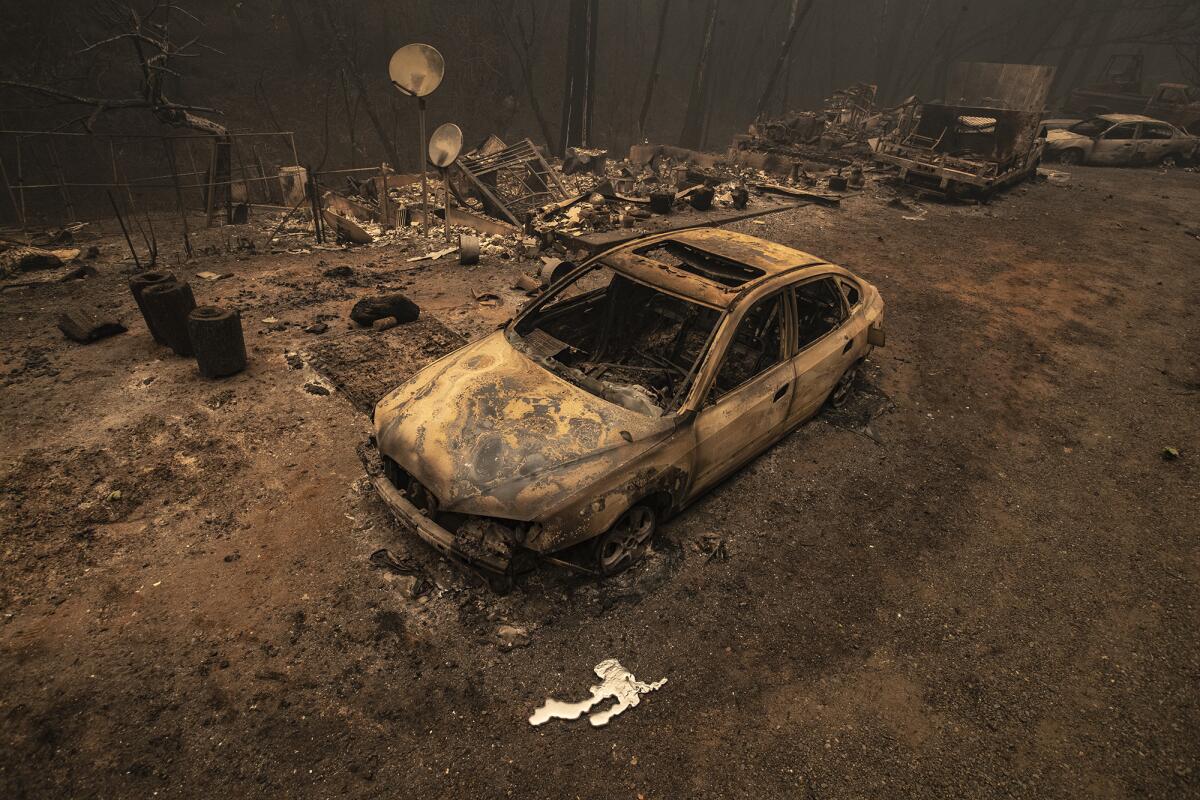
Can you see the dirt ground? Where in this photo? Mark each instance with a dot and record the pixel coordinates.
(979, 582)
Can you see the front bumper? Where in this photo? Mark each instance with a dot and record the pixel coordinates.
(442, 540)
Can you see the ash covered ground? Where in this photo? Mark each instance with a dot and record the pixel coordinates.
(980, 580)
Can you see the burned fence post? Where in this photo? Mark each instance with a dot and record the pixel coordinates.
(314, 199)
(170, 148)
(20, 183)
(52, 151)
(125, 232)
(11, 198)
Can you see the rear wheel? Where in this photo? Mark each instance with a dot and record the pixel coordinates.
(841, 390)
(1169, 160)
(1071, 158)
(622, 545)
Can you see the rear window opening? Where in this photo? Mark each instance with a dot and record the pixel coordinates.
(698, 262)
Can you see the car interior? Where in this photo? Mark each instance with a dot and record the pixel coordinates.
(609, 328)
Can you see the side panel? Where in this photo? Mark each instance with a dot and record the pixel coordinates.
(736, 427)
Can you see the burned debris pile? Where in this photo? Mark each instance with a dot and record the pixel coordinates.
(838, 133)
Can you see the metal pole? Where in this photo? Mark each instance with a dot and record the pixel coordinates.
(21, 185)
(421, 145)
(446, 189)
(385, 201)
(169, 146)
(11, 198)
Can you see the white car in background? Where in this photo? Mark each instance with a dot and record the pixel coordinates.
(1121, 139)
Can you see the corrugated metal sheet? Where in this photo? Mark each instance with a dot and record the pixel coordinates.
(1017, 87)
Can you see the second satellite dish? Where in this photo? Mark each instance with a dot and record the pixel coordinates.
(416, 69)
(445, 145)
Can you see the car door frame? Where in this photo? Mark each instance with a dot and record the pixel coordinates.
(825, 359)
(707, 470)
(1115, 154)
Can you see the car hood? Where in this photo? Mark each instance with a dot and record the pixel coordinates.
(490, 432)
(1061, 137)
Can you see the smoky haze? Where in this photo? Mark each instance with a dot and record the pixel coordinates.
(318, 67)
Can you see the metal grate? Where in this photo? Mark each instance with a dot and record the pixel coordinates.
(543, 344)
(514, 181)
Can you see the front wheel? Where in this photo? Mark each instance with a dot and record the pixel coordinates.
(622, 545)
(841, 389)
(1071, 158)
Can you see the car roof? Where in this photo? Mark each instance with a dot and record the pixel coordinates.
(1127, 118)
(771, 258)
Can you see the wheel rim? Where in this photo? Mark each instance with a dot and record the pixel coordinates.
(842, 390)
(626, 537)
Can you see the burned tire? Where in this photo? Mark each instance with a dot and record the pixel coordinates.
(622, 545)
(841, 389)
(1071, 158)
(1169, 160)
(217, 342)
(167, 308)
(139, 284)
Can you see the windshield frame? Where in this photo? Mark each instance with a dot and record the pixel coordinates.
(679, 405)
(1108, 125)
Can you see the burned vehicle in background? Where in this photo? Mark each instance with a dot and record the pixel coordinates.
(632, 385)
(1121, 139)
(983, 140)
(1119, 91)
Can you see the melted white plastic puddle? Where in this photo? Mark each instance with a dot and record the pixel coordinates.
(618, 683)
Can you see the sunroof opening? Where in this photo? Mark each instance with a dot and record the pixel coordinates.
(700, 263)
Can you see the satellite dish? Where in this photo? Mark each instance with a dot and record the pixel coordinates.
(416, 69)
(445, 145)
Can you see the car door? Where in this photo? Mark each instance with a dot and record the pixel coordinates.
(825, 339)
(746, 405)
(1117, 145)
(1154, 142)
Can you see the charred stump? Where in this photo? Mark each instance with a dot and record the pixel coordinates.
(167, 306)
(139, 284)
(216, 337)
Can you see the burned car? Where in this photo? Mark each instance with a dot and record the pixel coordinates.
(629, 387)
(1117, 139)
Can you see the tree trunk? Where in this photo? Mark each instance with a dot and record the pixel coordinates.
(653, 79)
(946, 54)
(1067, 56)
(295, 25)
(356, 74)
(1104, 24)
(693, 120)
(796, 19)
(578, 88)
(1050, 29)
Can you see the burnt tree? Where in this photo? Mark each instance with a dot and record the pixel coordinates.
(795, 22)
(580, 83)
(654, 61)
(155, 52)
(693, 119)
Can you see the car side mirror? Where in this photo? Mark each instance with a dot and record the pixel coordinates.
(876, 337)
